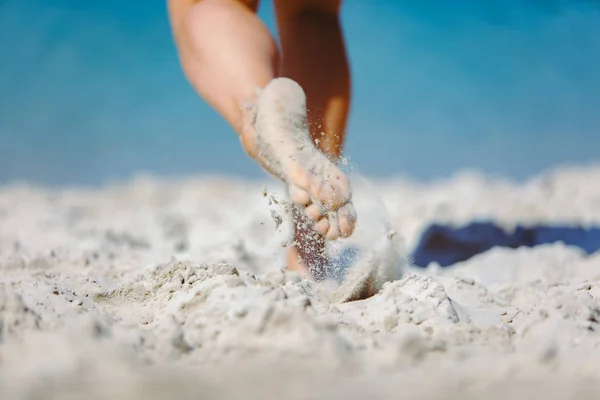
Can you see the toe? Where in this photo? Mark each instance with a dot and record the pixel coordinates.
(335, 191)
(334, 230)
(314, 212)
(298, 195)
(347, 220)
(322, 226)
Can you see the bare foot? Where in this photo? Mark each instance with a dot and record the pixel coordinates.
(295, 263)
(283, 146)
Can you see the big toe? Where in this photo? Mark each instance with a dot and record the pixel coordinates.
(346, 220)
(333, 232)
(341, 223)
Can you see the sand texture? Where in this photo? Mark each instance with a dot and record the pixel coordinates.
(175, 288)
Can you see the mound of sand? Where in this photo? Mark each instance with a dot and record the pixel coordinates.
(176, 288)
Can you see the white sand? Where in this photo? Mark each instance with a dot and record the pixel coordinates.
(156, 289)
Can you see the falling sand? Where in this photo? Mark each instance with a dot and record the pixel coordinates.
(174, 288)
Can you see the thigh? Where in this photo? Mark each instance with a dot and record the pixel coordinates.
(251, 4)
(287, 7)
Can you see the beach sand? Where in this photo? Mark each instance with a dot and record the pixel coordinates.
(154, 288)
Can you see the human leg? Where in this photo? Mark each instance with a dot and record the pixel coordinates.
(227, 53)
(314, 55)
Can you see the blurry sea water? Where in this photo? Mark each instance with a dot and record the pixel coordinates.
(92, 91)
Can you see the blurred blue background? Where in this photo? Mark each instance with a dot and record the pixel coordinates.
(92, 91)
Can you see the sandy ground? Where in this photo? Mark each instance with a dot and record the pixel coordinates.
(153, 289)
